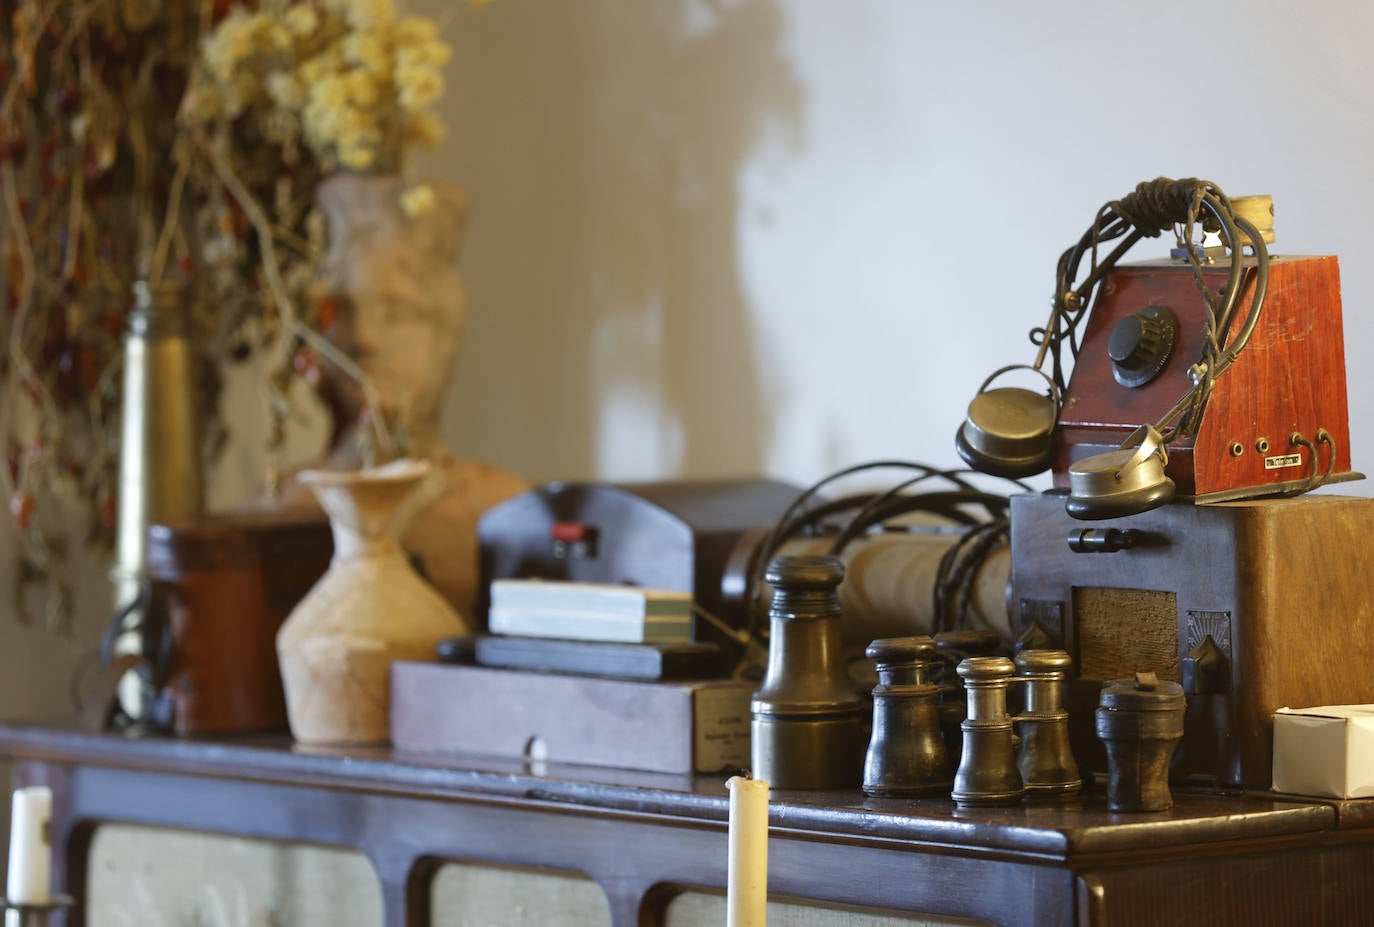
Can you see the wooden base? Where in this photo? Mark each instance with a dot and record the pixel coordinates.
(1282, 586)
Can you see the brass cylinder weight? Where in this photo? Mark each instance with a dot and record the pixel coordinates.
(807, 729)
(1046, 762)
(988, 774)
(906, 755)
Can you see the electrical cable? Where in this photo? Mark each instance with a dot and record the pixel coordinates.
(877, 508)
(1153, 207)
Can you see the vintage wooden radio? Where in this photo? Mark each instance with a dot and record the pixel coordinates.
(1251, 605)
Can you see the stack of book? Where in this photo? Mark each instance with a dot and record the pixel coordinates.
(581, 673)
(590, 612)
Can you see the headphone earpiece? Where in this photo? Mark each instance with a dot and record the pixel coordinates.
(1008, 431)
(1126, 481)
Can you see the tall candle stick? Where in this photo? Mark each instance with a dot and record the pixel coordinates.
(30, 853)
(747, 873)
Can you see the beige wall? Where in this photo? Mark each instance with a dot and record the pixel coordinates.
(788, 235)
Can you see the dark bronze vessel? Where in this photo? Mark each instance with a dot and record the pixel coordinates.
(807, 716)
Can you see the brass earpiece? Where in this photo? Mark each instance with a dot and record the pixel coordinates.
(1125, 481)
(1007, 431)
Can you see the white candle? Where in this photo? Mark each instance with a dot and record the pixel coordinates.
(747, 874)
(30, 871)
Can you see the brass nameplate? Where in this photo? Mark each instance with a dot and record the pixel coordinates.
(1283, 461)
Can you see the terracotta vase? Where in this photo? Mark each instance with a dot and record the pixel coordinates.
(393, 252)
(369, 609)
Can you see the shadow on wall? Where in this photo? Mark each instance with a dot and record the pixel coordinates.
(610, 336)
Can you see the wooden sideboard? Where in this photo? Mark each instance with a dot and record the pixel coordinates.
(1212, 860)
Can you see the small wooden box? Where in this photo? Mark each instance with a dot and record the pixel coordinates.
(1289, 378)
(671, 727)
(1283, 587)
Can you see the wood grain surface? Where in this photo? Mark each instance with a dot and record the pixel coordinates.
(1289, 378)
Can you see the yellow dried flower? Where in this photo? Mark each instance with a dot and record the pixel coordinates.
(286, 91)
(362, 89)
(349, 78)
(331, 91)
(422, 55)
(419, 87)
(302, 20)
(314, 70)
(366, 50)
(357, 155)
(366, 14)
(418, 200)
(416, 30)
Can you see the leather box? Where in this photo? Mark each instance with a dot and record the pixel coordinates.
(226, 583)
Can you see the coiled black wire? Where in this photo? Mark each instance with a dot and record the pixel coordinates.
(1153, 207)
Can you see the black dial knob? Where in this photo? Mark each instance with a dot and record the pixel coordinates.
(1141, 344)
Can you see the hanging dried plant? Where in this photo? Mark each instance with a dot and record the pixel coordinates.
(141, 139)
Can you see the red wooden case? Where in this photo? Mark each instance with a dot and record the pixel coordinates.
(1289, 378)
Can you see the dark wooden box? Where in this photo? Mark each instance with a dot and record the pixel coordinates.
(1284, 587)
(670, 727)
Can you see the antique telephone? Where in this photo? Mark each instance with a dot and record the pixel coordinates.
(1213, 377)
(1163, 343)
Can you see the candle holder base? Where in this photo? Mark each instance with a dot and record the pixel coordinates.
(34, 914)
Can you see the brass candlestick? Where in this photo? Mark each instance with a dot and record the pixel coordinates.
(34, 914)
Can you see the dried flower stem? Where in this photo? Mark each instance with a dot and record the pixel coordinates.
(170, 222)
(20, 360)
(291, 323)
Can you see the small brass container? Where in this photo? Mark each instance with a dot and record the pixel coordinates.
(987, 774)
(1140, 721)
(955, 647)
(906, 756)
(1046, 762)
(807, 724)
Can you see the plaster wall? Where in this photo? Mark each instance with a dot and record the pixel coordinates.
(784, 236)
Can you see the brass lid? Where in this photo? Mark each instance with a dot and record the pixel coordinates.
(1007, 431)
(1043, 661)
(898, 651)
(1142, 692)
(1125, 481)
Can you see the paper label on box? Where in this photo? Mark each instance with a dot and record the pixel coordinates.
(720, 734)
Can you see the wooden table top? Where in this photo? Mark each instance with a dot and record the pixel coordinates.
(1067, 831)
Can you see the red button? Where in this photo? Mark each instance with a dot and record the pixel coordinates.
(569, 532)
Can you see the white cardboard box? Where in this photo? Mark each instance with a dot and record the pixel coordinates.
(1327, 751)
